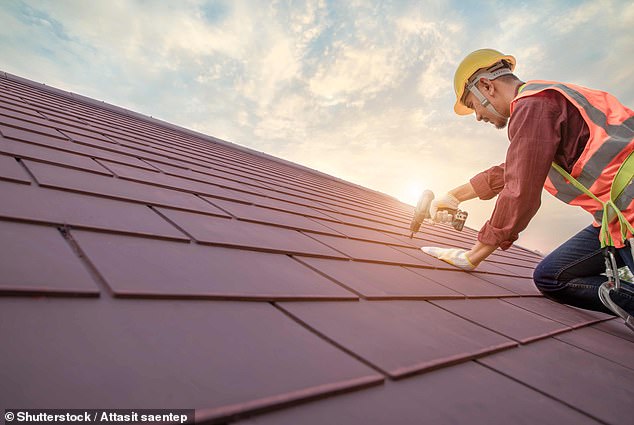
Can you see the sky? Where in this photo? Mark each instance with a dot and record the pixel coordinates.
(360, 90)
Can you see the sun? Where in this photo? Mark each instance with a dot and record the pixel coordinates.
(411, 191)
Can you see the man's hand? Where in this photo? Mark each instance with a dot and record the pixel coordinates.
(447, 201)
(454, 256)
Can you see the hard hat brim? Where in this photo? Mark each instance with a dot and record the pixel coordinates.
(460, 109)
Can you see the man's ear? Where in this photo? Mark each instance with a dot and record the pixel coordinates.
(486, 86)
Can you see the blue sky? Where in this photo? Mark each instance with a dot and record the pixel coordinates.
(361, 90)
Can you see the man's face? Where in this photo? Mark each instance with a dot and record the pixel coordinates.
(483, 114)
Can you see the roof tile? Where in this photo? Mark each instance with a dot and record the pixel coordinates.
(395, 336)
(46, 154)
(572, 375)
(286, 206)
(40, 261)
(369, 251)
(134, 266)
(468, 284)
(69, 179)
(518, 285)
(173, 354)
(148, 153)
(363, 233)
(105, 150)
(464, 394)
(160, 179)
(380, 281)
(602, 344)
(573, 317)
(270, 216)
(66, 208)
(504, 318)
(231, 232)
(11, 170)
(15, 128)
(616, 328)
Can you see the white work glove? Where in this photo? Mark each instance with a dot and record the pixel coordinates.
(454, 256)
(445, 201)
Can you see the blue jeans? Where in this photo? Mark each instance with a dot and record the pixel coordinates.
(571, 274)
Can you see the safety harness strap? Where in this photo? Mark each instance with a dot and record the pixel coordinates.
(622, 180)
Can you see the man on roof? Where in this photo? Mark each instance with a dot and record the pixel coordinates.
(558, 133)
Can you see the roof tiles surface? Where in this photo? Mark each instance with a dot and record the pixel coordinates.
(145, 265)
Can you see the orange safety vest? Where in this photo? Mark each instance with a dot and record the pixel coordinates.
(610, 142)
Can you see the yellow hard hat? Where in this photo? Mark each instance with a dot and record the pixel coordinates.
(483, 58)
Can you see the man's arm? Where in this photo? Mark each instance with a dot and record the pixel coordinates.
(464, 192)
(479, 251)
(467, 192)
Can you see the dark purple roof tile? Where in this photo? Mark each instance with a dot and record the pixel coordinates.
(293, 207)
(362, 222)
(64, 118)
(616, 328)
(172, 182)
(380, 281)
(11, 170)
(436, 239)
(519, 285)
(165, 353)
(504, 258)
(594, 385)
(269, 216)
(283, 196)
(108, 151)
(68, 179)
(362, 233)
(561, 313)
(396, 336)
(66, 208)
(464, 283)
(504, 318)
(505, 268)
(15, 127)
(464, 394)
(369, 251)
(9, 104)
(231, 232)
(45, 154)
(149, 153)
(40, 261)
(602, 344)
(134, 266)
(404, 240)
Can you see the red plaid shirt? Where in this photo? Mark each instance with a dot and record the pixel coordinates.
(543, 128)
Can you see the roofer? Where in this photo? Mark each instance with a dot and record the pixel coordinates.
(556, 130)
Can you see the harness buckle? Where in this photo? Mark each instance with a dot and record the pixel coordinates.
(613, 283)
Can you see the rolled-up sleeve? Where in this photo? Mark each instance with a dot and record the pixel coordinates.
(534, 133)
(488, 183)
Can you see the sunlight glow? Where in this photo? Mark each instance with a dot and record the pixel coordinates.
(411, 192)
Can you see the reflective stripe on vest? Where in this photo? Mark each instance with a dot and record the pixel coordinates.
(619, 136)
(611, 138)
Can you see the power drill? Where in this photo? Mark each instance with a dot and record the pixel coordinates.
(422, 212)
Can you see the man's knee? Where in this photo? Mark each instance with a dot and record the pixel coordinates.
(544, 278)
